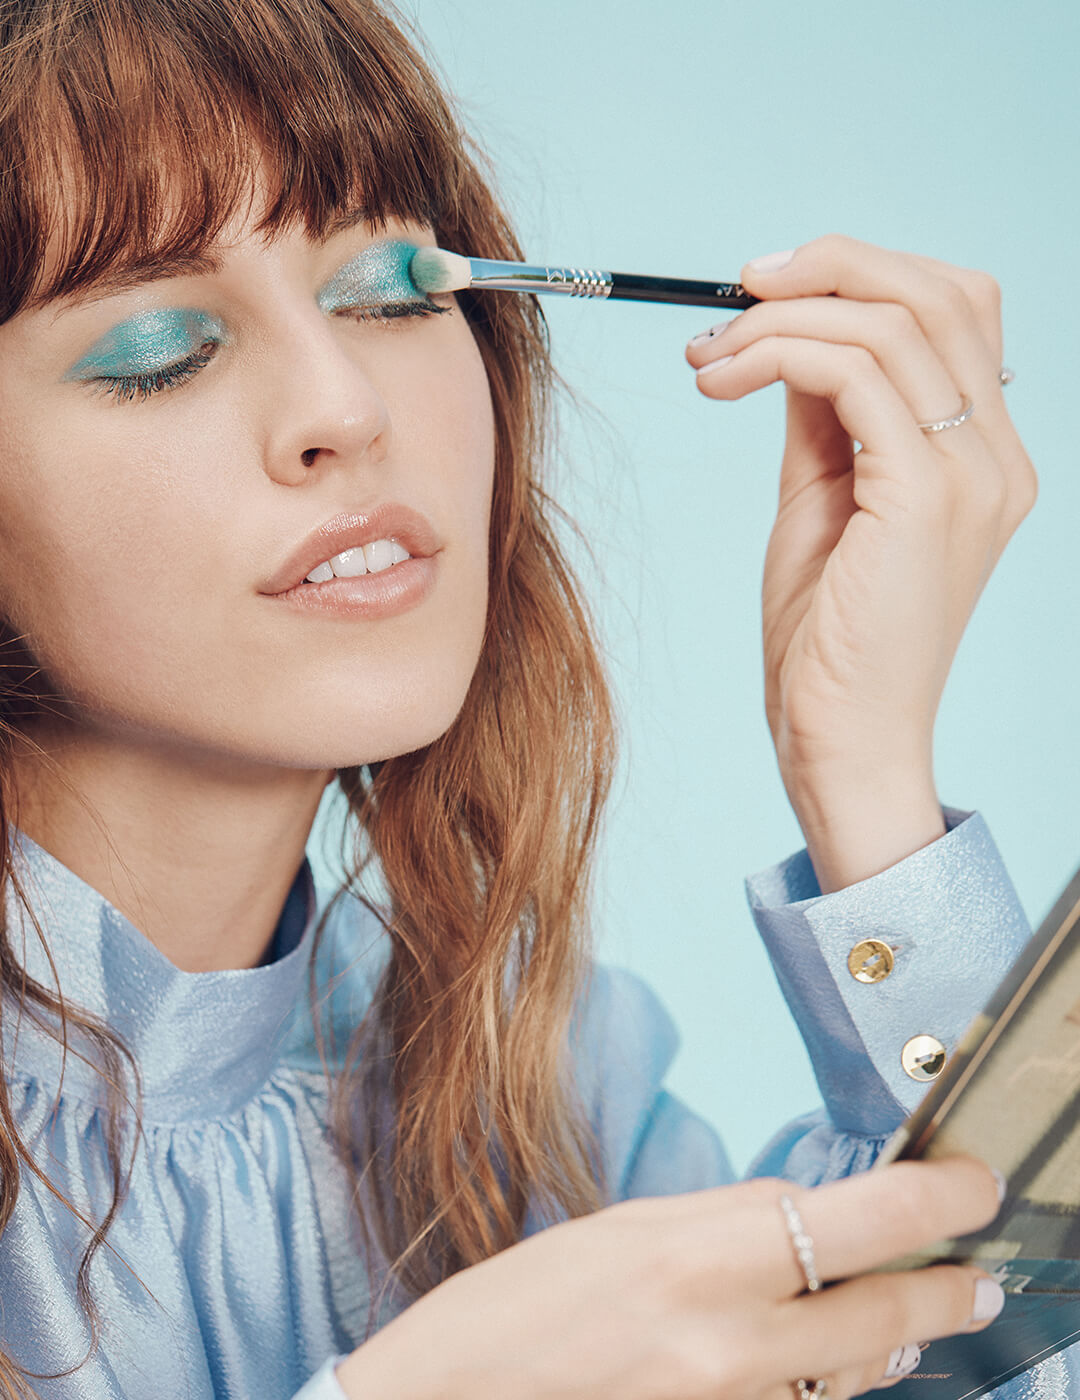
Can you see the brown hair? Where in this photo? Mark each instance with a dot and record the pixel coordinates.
(129, 130)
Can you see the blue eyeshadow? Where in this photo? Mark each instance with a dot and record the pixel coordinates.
(378, 276)
(153, 341)
(148, 342)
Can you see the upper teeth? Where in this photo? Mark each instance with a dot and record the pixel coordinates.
(364, 559)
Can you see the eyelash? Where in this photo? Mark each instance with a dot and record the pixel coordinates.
(124, 388)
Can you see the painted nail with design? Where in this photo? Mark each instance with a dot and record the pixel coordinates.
(902, 1362)
(711, 333)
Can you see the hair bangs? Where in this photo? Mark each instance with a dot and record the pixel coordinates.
(135, 132)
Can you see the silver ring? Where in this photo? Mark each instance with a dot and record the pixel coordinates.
(803, 1246)
(1006, 375)
(967, 408)
(811, 1390)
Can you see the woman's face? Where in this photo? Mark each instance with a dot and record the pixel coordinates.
(150, 517)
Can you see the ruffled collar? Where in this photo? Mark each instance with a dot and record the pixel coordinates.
(205, 1042)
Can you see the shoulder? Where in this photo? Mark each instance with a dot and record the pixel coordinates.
(620, 1023)
(622, 1043)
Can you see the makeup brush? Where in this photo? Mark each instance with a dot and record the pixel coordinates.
(434, 270)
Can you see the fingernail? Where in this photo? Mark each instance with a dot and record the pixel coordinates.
(715, 364)
(1002, 1184)
(772, 262)
(710, 334)
(989, 1300)
(902, 1362)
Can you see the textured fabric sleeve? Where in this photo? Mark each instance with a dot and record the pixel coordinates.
(954, 923)
(951, 916)
(324, 1383)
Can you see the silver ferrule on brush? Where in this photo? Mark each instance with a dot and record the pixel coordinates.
(521, 277)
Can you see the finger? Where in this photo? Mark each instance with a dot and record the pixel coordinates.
(982, 291)
(887, 329)
(852, 1325)
(870, 1219)
(858, 1224)
(901, 1363)
(867, 405)
(857, 1380)
(788, 1390)
(956, 308)
(877, 1375)
(840, 266)
(984, 296)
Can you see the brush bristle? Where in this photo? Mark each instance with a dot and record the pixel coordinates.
(433, 270)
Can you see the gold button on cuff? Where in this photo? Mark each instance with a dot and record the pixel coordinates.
(923, 1057)
(871, 960)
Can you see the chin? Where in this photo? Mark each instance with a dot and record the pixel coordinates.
(342, 738)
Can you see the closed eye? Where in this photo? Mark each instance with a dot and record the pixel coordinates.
(124, 388)
(141, 386)
(392, 311)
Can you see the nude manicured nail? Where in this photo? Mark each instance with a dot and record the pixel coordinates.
(772, 262)
(710, 334)
(715, 364)
(902, 1362)
(1002, 1184)
(989, 1300)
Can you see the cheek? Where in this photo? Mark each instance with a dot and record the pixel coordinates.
(417, 674)
(446, 419)
(95, 529)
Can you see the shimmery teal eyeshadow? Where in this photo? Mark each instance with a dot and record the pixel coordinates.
(147, 343)
(155, 340)
(378, 276)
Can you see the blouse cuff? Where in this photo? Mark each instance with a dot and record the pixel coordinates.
(948, 924)
(324, 1384)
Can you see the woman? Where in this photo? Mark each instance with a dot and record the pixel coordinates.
(272, 518)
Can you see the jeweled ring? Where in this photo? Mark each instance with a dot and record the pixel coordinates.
(1006, 375)
(802, 1244)
(967, 408)
(811, 1390)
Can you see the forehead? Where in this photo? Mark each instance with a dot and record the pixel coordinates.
(137, 269)
(182, 247)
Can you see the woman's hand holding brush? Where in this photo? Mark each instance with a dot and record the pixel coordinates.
(878, 555)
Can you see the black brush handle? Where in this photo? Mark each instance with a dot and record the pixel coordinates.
(682, 291)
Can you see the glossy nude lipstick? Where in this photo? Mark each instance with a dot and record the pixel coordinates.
(372, 565)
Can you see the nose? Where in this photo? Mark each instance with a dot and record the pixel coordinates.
(322, 406)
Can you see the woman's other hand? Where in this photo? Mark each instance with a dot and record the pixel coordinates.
(697, 1297)
(877, 557)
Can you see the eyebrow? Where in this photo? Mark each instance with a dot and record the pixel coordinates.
(122, 279)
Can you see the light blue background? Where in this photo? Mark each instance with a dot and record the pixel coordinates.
(684, 139)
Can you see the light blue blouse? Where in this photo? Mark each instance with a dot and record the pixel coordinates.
(232, 1269)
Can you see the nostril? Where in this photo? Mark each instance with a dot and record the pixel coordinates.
(308, 456)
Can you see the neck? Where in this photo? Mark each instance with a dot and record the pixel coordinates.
(200, 855)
